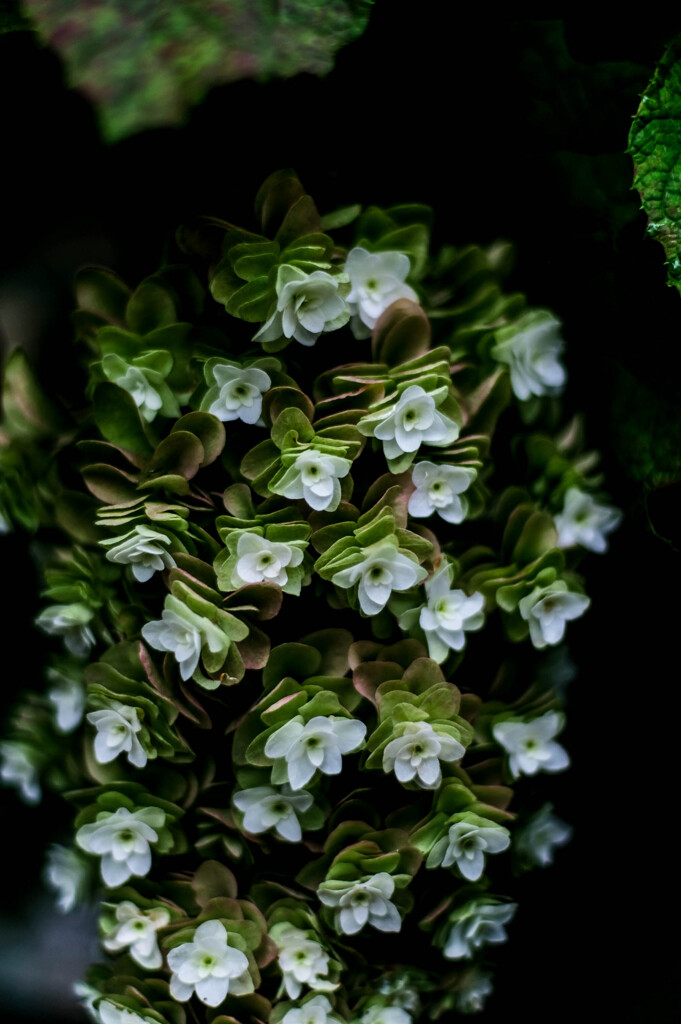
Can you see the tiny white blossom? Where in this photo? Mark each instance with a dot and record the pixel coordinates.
(315, 477)
(67, 697)
(531, 746)
(415, 755)
(302, 961)
(109, 1013)
(583, 521)
(265, 807)
(138, 382)
(307, 306)
(144, 549)
(382, 570)
(261, 560)
(237, 393)
(209, 966)
(313, 1011)
(532, 354)
(385, 1015)
(182, 632)
(135, 931)
(122, 839)
(466, 845)
(414, 420)
(317, 744)
(543, 832)
(482, 924)
(72, 623)
(376, 281)
(547, 610)
(67, 875)
(117, 727)
(471, 997)
(19, 770)
(448, 615)
(440, 489)
(364, 902)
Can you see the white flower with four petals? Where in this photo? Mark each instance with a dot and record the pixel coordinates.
(583, 521)
(209, 966)
(143, 549)
(314, 476)
(135, 930)
(377, 279)
(307, 305)
(264, 561)
(122, 839)
(265, 807)
(366, 901)
(547, 610)
(440, 489)
(415, 755)
(383, 569)
(315, 745)
(237, 393)
(530, 745)
(117, 727)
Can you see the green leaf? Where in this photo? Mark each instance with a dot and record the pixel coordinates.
(340, 218)
(119, 421)
(208, 429)
(150, 307)
(28, 411)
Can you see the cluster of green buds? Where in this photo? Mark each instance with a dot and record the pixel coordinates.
(310, 548)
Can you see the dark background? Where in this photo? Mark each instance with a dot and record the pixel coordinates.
(508, 128)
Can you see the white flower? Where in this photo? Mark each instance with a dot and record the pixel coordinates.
(302, 961)
(482, 924)
(109, 1013)
(415, 755)
(542, 833)
(317, 744)
(386, 1015)
(237, 393)
(265, 807)
(144, 549)
(19, 770)
(413, 420)
(117, 727)
(183, 633)
(261, 560)
(533, 356)
(530, 745)
(383, 569)
(87, 995)
(448, 615)
(135, 931)
(66, 873)
(313, 1011)
(72, 622)
(67, 697)
(314, 477)
(439, 489)
(209, 966)
(548, 609)
(307, 306)
(139, 383)
(376, 281)
(359, 903)
(583, 521)
(466, 844)
(122, 839)
(471, 996)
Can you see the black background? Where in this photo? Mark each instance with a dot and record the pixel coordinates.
(473, 116)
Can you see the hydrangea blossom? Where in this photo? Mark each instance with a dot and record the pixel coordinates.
(117, 727)
(314, 476)
(466, 844)
(303, 961)
(547, 610)
(366, 901)
(412, 421)
(72, 623)
(478, 924)
(261, 560)
(209, 966)
(543, 832)
(313, 1011)
(383, 569)
(532, 351)
(440, 489)
(315, 745)
(135, 931)
(18, 769)
(145, 550)
(307, 305)
(265, 807)
(531, 746)
(237, 393)
(122, 839)
(386, 1015)
(377, 279)
(415, 755)
(67, 875)
(183, 633)
(448, 615)
(583, 521)
(67, 697)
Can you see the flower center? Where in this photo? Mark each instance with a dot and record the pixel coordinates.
(126, 836)
(281, 807)
(208, 961)
(312, 741)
